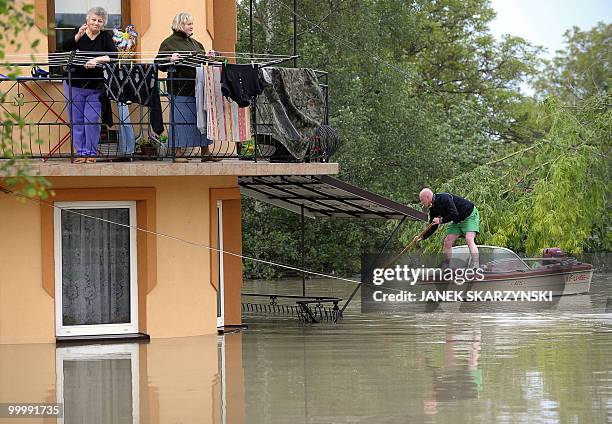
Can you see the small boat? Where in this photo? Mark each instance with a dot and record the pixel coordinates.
(503, 282)
(501, 269)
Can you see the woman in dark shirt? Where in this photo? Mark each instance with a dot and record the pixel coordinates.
(86, 83)
(184, 133)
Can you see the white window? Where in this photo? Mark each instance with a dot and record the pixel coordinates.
(95, 268)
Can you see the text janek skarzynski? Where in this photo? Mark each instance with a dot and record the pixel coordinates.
(412, 275)
(456, 275)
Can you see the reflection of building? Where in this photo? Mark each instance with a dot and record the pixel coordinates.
(69, 273)
(164, 381)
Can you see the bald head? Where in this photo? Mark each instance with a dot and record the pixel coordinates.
(426, 197)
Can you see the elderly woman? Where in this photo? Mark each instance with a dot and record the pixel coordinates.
(184, 133)
(86, 83)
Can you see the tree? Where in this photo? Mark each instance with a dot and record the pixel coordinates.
(419, 91)
(555, 192)
(582, 69)
(15, 21)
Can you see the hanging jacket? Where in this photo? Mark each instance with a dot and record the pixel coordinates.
(135, 83)
(184, 75)
(240, 83)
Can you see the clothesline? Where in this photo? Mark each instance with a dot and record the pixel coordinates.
(189, 60)
(143, 56)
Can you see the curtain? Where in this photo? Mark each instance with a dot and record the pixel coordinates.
(95, 267)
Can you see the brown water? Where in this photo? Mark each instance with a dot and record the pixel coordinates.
(434, 368)
(549, 367)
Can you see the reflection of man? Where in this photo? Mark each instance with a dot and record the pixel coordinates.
(456, 380)
(461, 216)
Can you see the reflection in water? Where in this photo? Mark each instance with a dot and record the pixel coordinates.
(432, 368)
(98, 378)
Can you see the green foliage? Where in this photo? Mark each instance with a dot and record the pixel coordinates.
(423, 95)
(554, 193)
(583, 68)
(15, 21)
(419, 91)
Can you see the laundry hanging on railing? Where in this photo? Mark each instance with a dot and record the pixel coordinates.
(200, 90)
(135, 83)
(225, 120)
(292, 107)
(240, 83)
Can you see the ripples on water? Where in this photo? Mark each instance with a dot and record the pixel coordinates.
(528, 367)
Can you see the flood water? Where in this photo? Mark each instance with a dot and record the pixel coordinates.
(551, 367)
(546, 367)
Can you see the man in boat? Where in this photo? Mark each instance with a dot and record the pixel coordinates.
(461, 216)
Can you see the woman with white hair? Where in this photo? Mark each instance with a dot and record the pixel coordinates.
(183, 133)
(86, 83)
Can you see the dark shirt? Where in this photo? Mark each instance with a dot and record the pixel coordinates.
(89, 78)
(240, 83)
(183, 78)
(450, 207)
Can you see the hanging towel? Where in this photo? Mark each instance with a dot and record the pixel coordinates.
(225, 120)
(200, 88)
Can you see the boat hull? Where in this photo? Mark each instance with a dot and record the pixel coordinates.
(560, 282)
(528, 291)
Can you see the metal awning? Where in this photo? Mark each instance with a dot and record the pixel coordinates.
(324, 196)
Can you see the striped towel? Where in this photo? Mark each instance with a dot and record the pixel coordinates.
(225, 121)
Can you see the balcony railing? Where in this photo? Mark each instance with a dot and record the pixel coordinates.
(41, 129)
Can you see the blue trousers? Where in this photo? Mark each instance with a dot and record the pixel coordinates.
(127, 140)
(84, 115)
(184, 132)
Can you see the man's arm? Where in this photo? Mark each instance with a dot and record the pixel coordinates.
(431, 230)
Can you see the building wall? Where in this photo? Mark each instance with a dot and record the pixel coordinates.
(180, 297)
(178, 379)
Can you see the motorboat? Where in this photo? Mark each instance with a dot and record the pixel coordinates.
(502, 281)
(501, 269)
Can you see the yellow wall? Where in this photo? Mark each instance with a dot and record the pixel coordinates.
(183, 301)
(162, 13)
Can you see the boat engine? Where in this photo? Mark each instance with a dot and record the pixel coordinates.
(552, 252)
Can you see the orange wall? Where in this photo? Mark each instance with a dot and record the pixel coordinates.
(183, 299)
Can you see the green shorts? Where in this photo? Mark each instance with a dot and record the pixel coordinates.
(471, 223)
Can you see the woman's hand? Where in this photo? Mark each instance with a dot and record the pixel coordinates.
(80, 32)
(175, 57)
(91, 63)
(437, 220)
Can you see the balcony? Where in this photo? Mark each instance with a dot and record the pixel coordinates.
(41, 130)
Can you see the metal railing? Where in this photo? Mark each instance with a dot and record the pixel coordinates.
(36, 118)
